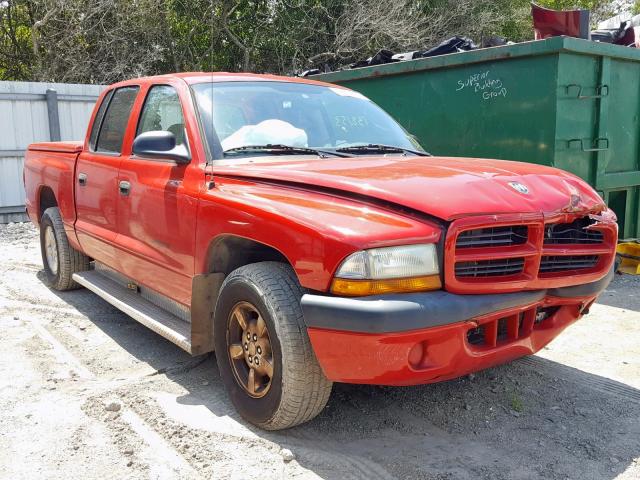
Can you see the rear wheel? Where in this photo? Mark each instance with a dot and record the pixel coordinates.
(263, 350)
(60, 259)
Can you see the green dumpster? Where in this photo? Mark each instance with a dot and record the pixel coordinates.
(564, 102)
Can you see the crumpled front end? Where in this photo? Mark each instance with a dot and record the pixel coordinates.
(435, 336)
(508, 253)
(512, 283)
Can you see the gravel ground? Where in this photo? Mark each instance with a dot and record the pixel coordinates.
(86, 392)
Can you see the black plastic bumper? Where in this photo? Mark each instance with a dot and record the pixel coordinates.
(412, 311)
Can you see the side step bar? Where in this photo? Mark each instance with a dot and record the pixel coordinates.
(150, 315)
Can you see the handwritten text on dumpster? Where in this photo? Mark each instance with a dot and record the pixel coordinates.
(482, 83)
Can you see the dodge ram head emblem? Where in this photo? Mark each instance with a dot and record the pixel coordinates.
(519, 187)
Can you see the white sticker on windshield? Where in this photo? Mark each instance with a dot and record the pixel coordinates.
(344, 92)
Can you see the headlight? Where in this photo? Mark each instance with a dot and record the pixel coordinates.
(408, 268)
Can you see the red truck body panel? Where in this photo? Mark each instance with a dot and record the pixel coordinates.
(441, 186)
(51, 165)
(438, 353)
(314, 231)
(316, 212)
(157, 220)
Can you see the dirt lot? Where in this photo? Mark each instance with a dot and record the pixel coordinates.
(86, 392)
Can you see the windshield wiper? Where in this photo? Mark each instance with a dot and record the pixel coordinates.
(378, 147)
(286, 149)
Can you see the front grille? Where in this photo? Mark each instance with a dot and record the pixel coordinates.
(572, 233)
(490, 268)
(559, 263)
(494, 334)
(493, 237)
(511, 252)
(499, 331)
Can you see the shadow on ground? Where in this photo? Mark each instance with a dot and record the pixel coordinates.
(530, 419)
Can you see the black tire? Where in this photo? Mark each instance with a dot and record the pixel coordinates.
(298, 389)
(67, 260)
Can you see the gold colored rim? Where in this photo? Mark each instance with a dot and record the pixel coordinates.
(51, 250)
(249, 349)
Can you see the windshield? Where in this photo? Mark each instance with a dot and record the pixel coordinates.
(246, 114)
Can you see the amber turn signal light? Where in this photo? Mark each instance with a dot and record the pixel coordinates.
(359, 288)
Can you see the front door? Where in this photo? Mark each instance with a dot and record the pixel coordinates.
(96, 176)
(158, 205)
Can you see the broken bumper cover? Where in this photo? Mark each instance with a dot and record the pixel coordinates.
(408, 339)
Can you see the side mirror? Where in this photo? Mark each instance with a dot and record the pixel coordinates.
(160, 144)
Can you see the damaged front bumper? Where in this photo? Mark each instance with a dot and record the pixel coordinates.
(408, 339)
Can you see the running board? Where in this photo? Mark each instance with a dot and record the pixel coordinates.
(130, 302)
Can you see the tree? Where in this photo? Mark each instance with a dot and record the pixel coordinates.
(16, 55)
(102, 41)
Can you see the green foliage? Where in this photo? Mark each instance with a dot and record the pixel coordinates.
(103, 41)
(571, 4)
(517, 404)
(16, 55)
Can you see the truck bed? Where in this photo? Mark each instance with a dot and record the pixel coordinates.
(62, 147)
(49, 172)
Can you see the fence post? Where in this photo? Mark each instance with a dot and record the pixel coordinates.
(54, 118)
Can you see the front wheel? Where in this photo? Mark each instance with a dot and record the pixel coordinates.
(263, 351)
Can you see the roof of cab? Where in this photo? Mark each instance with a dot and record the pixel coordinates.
(203, 77)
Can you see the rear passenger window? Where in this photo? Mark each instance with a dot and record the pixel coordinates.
(116, 119)
(95, 128)
(162, 111)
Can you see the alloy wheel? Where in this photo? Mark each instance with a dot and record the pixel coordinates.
(249, 349)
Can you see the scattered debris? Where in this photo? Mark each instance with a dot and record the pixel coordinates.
(287, 455)
(113, 407)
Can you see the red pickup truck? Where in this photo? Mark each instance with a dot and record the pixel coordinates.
(296, 229)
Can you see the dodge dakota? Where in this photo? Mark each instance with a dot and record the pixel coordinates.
(296, 229)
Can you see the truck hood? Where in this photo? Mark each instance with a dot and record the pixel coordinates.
(444, 187)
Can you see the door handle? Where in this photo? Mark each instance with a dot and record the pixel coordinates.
(124, 187)
(82, 179)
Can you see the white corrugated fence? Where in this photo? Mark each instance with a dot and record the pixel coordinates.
(36, 112)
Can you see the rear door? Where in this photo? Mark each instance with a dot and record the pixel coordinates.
(96, 175)
(158, 202)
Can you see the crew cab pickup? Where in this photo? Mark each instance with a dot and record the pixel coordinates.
(296, 229)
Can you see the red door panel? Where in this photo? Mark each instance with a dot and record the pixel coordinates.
(97, 205)
(157, 215)
(96, 175)
(157, 225)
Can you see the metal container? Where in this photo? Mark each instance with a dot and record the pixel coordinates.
(563, 102)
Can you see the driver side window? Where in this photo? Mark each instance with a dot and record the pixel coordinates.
(162, 111)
